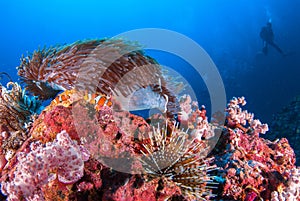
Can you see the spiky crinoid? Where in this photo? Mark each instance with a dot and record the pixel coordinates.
(17, 112)
(16, 107)
(170, 154)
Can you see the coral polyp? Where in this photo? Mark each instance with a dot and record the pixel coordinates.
(170, 154)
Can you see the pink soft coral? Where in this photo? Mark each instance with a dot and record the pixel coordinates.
(62, 159)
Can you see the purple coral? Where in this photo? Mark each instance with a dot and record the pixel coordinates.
(62, 159)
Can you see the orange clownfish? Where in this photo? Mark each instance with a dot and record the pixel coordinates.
(99, 100)
(64, 99)
(70, 96)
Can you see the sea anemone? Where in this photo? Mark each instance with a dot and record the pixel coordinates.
(169, 154)
(96, 66)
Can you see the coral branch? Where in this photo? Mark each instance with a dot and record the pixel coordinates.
(238, 118)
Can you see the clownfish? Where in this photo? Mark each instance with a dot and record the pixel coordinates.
(99, 100)
(70, 96)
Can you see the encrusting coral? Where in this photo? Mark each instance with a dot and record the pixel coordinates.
(287, 124)
(290, 191)
(252, 167)
(85, 146)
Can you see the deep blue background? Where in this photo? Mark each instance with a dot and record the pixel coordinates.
(227, 30)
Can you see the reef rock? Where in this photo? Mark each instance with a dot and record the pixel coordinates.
(287, 124)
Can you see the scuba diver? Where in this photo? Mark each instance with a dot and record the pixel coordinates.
(267, 35)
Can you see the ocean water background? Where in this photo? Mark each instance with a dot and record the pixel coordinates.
(227, 30)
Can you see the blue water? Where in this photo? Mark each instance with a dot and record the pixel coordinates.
(227, 30)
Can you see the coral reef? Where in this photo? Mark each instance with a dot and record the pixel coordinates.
(287, 124)
(113, 139)
(173, 164)
(85, 146)
(252, 167)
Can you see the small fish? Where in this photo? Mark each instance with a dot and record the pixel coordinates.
(97, 99)
(102, 100)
